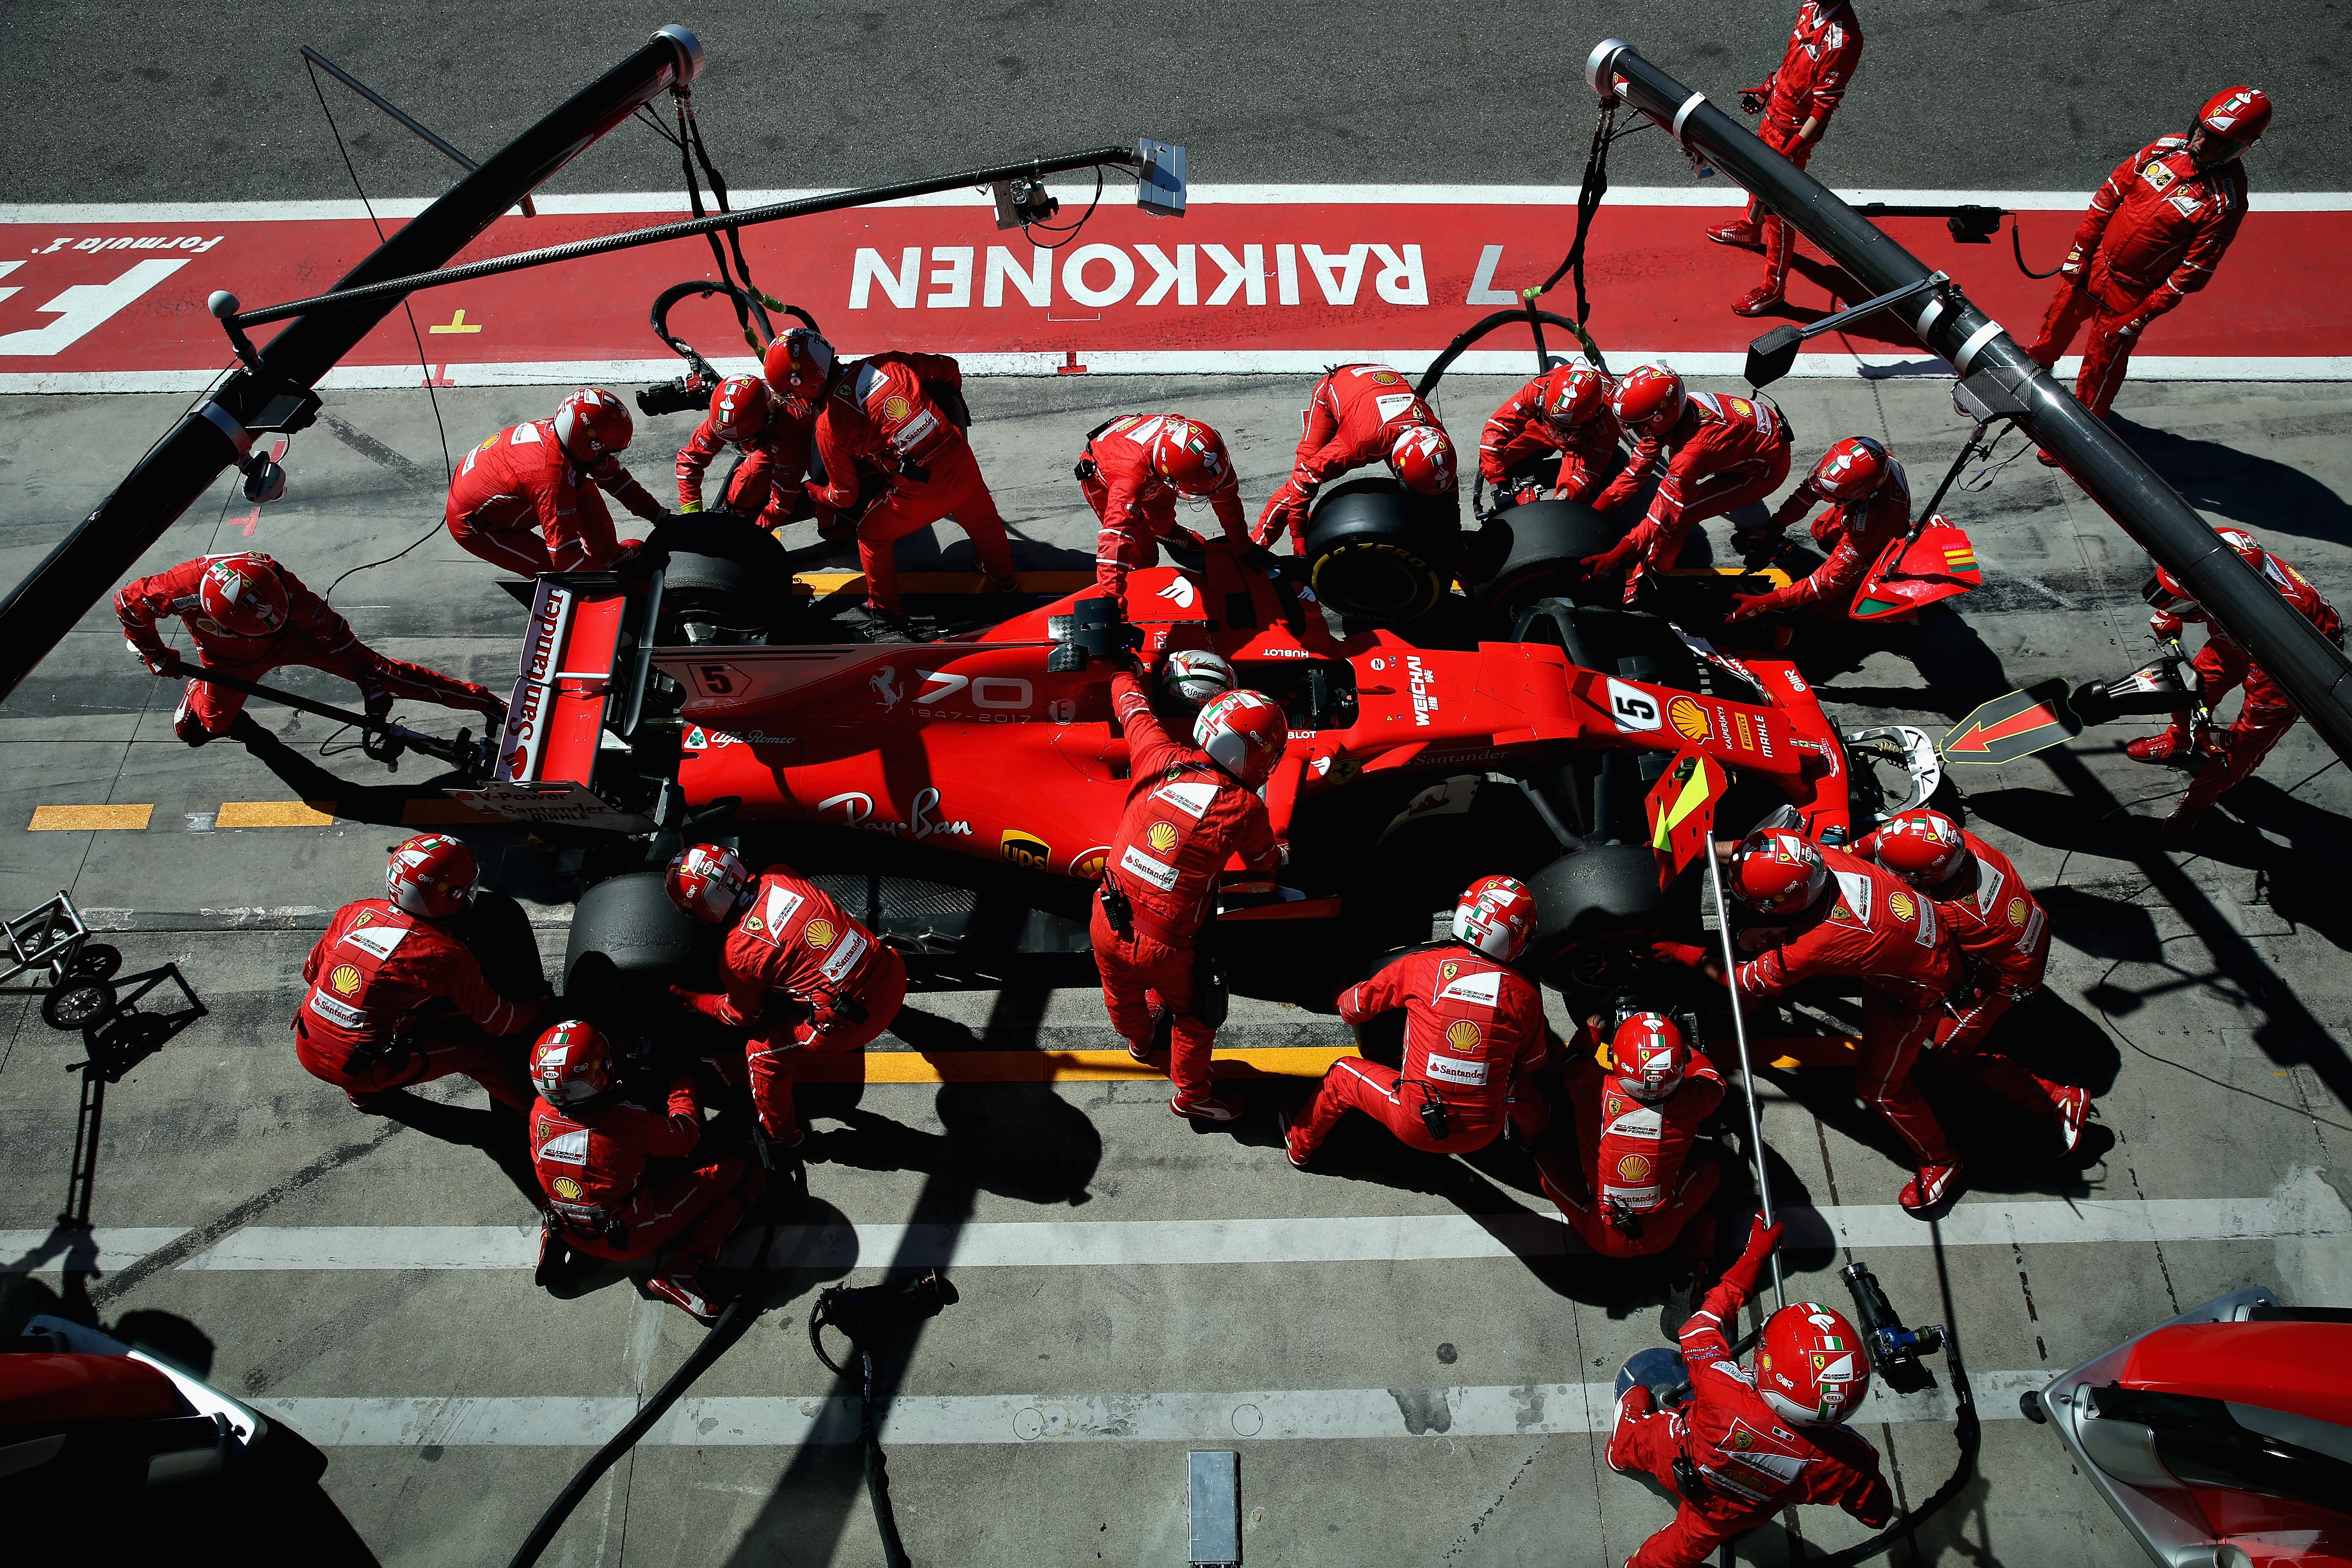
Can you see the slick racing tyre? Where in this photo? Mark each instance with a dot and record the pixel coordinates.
(1379, 554)
(1594, 910)
(625, 928)
(722, 576)
(1546, 543)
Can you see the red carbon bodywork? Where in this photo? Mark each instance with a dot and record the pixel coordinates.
(974, 745)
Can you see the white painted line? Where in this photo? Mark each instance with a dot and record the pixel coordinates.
(1401, 1238)
(1711, 193)
(1244, 362)
(86, 1251)
(1525, 1410)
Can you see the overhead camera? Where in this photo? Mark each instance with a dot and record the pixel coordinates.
(1895, 1350)
(1020, 202)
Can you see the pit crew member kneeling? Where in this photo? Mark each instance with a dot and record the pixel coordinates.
(249, 616)
(1191, 809)
(1631, 1180)
(1840, 916)
(1474, 1037)
(527, 499)
(1133, 470)
(1556, 432)
(592, 1146)
(763, 486)
(801, 975)
(1748, 1443)
(1722, 452)
(1362, 414)
(2005, 939)
(1869, 509)
(398, 996)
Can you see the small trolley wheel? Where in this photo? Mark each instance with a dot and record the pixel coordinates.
(77, 1003)
(96, 960)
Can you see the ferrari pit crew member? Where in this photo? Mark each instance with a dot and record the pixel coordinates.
(1357, 415)
(899, 411)
(249, 616)
(2222, 665)
(1869, 509)
(1848, 918)
(1796, 102)
(1722, 451)
(591, 1146)
(1133, 469)
(1190, 810)
(1754, 1440)
(397, 996)
(527, 499)
(2005, 939)
(1556, 431)
(1628, 1180)
(2152, 237)
(1474, 1037)
(764, 485)
(802, 977)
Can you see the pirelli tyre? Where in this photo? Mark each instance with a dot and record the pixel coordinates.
(1595, 909)
(1379, 554)
(1546, 542)
(625, 928)
(720, 574)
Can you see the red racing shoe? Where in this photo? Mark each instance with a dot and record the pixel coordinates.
(1636, 1402)
(2073, 1108)
(1210, 1110)
(2173, 745)
(1292, 1149)
(1758, 301)
(1925, 1195)
(1739, 232)
(685, 1290)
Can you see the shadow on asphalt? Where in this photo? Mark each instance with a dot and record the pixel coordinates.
(2268, 497)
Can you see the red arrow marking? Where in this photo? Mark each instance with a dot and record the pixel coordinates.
(1980, 738)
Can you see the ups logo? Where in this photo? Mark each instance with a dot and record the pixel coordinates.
(1023, 849)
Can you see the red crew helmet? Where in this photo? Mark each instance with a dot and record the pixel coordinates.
(1922, 847)
(2240, 113)
(571, 1063)
(1854, 468)
(1811, 1368)
(1775, 871)
(1649, 399)
(1422, 458)
(1649, 1056)
(2169, 594)
(706, 881)
(1190, 457)
(1195, 676)
(739, 407)
(1497, 915)
(798, 364)
(592, 424)
(1245, 733)
(243, 594)
(432, 874)
(1576, 396)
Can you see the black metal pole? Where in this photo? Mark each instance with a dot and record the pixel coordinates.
(1997, 374)
(400, 116)
(276, 392)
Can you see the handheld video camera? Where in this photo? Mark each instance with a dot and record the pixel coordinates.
(870, 1313)
(689, 393)
(1895, 1350)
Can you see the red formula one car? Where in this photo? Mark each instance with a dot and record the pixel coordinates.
(1514, 731)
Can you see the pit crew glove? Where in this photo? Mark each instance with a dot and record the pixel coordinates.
(1617, 561)
(2166, 628)
(1681, 953)
(1762, 1240)
(1753, 99)
(1286, 509)
(1746, 606)
(159, 659)
(2073, 264)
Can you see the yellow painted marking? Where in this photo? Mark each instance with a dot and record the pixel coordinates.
(1785, 1052)
(276, 814)
(825, 585)
(83, 818)
(456, 323)
(1772, 574)
(1050, 1066)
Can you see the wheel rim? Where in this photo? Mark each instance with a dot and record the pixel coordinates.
(79, 1004)
(1372, 580)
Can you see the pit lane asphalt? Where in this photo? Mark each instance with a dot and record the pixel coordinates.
(2204, 998)
(208, 102)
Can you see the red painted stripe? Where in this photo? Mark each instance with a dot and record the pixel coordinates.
(1391, 280)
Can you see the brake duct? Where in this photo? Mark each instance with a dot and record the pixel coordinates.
(1997, 380)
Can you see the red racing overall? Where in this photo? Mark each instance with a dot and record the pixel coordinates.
(1136, 505)
(592, 1166)
(1633, 1160)
(799, 972)
(2004, 934)
(1473, 1034)
(1825, 49)
(2265, 716)
(1352, 418)
(372, 975)
(1185, 819)
(1520, 434)
(765, 484)
(1853, 532)
(879, 410)
(1751, 1464)
(1724, 452)
(2152, 238)
(313, 635)
(519, 503)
